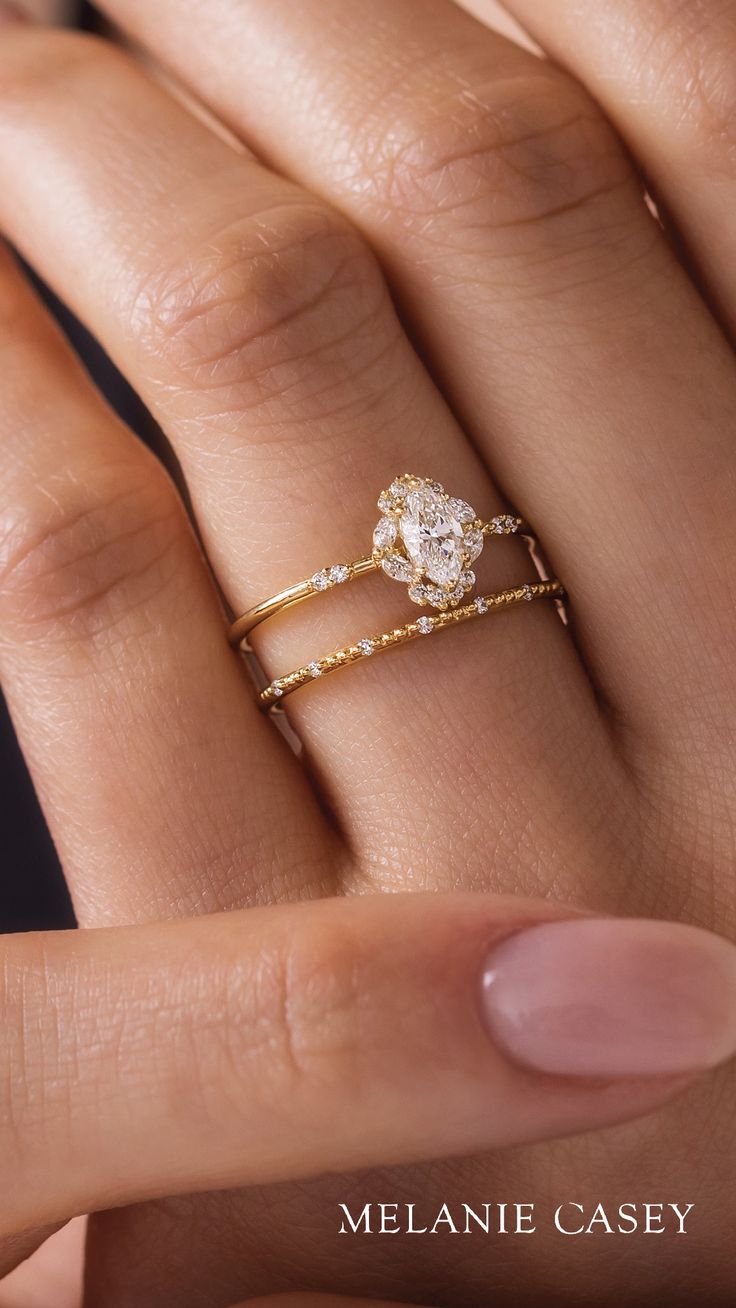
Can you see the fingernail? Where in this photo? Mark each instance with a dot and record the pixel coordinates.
(10, 13)
(612, 998)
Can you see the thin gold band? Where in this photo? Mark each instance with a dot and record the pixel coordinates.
(272, 696)
(503, 524)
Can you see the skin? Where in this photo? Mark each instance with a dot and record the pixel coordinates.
(544, 342)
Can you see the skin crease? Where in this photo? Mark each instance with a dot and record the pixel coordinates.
(559, 815)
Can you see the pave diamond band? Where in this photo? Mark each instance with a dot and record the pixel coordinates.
(272, 696)
(425, 538)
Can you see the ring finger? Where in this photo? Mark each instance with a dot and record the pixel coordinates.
(257, 325)
(520, 245)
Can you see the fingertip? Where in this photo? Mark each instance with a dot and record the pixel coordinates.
(613, 998)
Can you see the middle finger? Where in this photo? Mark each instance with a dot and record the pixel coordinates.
(256, 324)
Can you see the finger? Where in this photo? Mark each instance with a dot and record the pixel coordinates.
(257, 325)
(283, 1042)
(315, 1301)
(113, 662)
(521, 248)
(664, 75)
(50, 1276)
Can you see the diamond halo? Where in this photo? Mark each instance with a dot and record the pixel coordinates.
(428, 540)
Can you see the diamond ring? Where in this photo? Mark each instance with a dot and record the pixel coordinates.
(425, 539)
(272, 696)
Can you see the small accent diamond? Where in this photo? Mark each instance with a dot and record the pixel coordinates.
(459, 510)
(339, 573)
(467, 580)
(276, 690)
(366, 647)
(481, 604)
(314, 670)
(425, 625)
(397, 567)
(503, 524)
(473, 543)
(528, 592)
(385, 534)
(320, 581)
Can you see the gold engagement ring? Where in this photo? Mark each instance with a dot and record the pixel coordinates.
(425, 539)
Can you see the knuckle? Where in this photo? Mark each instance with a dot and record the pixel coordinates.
(291, 284)
(508, 153)
(301, 1031)
(79, 557)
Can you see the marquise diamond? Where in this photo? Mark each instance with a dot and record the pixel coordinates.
(433, 536)
(398, 567)
(460, 510)
(427, 539)
(385, 534)
(474, 543)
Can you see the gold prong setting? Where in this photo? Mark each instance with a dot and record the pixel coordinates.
(428, 540)
(445, 537)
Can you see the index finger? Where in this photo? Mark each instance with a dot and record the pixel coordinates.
(283, 1042)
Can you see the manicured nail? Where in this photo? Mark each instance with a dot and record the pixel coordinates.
(10, 13)
(612, 998)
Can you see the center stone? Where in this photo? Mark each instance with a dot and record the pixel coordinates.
(433, 537)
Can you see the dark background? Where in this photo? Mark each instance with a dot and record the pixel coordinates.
(32, 890)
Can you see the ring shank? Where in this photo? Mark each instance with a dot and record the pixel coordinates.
(271, 697)
(286, 599)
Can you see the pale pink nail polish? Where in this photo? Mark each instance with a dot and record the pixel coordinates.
(612, 998)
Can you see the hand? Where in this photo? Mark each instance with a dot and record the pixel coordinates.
(281, 1043)
(555, 333)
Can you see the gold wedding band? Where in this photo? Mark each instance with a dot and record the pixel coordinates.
(272, 696)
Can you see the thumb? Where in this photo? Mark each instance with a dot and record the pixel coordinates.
(282, 1042)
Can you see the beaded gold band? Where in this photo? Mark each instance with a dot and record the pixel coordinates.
(424, 538)
(272, 696)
